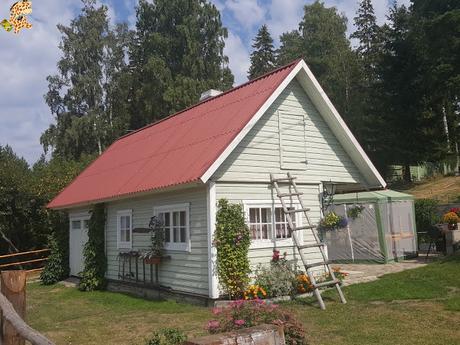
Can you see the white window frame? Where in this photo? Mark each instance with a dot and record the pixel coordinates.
(125, 244)
(179, 246)
(272, 240)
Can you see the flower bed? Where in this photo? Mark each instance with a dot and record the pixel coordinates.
(242, 314)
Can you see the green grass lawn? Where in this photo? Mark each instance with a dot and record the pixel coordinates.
(420, 306)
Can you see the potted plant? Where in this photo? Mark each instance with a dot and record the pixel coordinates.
(332, 221)
(355, 211)
(157, 235)
(451, 219)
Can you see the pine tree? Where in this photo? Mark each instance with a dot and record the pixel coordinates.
(177, 53)
(321, 40)
(369, 39)
(367, 123)
(263, 57)
(412, 132)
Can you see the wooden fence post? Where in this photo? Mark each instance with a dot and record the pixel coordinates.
(13, 287)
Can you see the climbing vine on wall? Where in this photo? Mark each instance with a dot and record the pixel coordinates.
(93, 276)
(232, 242)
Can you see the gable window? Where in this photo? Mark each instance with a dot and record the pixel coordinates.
(176, 226)
(124, 229)
(267, 222)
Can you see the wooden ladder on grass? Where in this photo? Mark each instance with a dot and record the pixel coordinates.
(292, 191)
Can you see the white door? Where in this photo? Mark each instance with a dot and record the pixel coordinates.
(77, 238)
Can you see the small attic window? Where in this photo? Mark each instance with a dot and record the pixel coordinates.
(292, 141)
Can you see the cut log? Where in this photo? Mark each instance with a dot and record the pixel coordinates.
(13, 306)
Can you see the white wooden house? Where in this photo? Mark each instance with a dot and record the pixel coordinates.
(224, 147)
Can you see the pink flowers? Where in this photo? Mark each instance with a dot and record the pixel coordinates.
(240, 322)
(213, 325)
(216, 311)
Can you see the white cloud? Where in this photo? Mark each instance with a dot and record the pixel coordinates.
(27, 58)
(248, 13)
(238, 55)
(284, 16)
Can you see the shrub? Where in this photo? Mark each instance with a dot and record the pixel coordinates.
(93, 276)
(426, 214)
(167, 336)
(278, 279)
(54, 269)
(232, 242)
(243, 314)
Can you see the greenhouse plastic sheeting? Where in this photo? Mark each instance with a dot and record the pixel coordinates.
(381, 233)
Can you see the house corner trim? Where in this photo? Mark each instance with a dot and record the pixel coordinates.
(212, 250)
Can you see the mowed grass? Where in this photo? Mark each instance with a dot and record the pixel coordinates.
(444, 189)
(418, 307)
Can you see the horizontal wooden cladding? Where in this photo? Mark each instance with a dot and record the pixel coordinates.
(239, 192)
(185, 271)
(259, 153)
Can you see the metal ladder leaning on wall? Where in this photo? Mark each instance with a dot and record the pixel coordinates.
(289, 181)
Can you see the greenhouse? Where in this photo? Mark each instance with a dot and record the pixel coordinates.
(380, 228)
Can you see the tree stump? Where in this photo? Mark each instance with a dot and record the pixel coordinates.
(13, 287)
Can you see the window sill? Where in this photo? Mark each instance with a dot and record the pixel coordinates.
(178, 247)
(272, 244)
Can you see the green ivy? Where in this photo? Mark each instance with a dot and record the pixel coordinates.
(232, 242)
(54, 270)
(93, 276)
(57, 266)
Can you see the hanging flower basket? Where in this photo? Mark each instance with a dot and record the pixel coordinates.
(332, 222)
(355, 211)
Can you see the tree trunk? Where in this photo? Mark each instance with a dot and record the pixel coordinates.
(406, 173)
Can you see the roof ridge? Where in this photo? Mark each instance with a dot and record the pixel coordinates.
(295, 62)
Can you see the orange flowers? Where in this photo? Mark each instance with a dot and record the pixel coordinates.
(254, 292)
(303, 283)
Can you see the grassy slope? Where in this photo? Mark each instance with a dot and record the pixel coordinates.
(444, 189)
(420, 306)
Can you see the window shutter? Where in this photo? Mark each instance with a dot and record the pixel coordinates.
(292, 141)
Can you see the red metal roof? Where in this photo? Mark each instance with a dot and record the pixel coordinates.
(176, 150)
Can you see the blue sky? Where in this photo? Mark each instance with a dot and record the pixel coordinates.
(27, 58)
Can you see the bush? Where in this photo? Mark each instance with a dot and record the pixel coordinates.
(426, 214)
(243, 314)
(278, 279)
(167, 336)
(54, 269)
(93, 276)
(232, 242)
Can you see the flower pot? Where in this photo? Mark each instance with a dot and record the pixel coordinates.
(452, 241)
(452, 226)
(154, 260)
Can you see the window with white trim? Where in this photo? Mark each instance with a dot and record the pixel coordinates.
(124, 229)
(282, 229)
(260, 222)
(268, 222)
(175, 220)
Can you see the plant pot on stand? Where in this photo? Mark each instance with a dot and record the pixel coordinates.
(153, 260)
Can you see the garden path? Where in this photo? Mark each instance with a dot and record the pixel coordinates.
(361, 273)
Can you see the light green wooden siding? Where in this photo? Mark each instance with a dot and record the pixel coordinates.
(187, 272)
(238, 192)
(259, 152)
